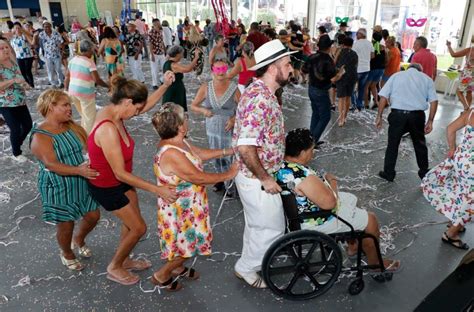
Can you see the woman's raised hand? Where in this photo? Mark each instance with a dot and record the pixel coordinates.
(168, 78)
(86, 171)
(167, 193)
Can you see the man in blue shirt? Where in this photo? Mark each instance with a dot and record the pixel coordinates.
(409, 93)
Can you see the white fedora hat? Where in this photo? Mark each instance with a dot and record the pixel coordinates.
(269, 53)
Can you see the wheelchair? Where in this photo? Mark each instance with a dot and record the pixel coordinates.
(304, 264)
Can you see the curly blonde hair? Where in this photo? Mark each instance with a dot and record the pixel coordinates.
(50, 98)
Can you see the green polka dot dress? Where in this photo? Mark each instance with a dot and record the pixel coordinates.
(64, 198)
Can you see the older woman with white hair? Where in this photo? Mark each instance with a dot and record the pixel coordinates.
(81, 79)
(176, 93)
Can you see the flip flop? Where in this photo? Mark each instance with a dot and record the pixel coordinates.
(140, 265)
(457, 243)
(126, 281)
(188, 273)
(169, 285)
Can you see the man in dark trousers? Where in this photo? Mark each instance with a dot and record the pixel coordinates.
(409, 93)
(322, 73)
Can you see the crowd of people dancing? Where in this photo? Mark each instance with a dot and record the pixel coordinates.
(244, 127)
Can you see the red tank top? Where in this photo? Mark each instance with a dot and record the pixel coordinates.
(245, 76)
(98, 161)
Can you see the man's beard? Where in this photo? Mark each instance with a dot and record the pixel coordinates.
(280, 80)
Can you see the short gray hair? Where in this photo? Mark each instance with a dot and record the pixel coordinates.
(416, 66)
(85, 46)
(422, 41)
(174, 50)
(248, 48)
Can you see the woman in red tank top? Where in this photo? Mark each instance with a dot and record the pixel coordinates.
(242, 65)
(111, 154)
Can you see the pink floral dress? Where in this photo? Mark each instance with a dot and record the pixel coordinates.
(449, 187)
(183, 226)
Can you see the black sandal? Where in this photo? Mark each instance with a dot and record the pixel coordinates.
(189, 273)
(169, 285)
(454, 242)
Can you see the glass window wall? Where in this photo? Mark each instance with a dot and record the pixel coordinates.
(437, 20)
(275, 12)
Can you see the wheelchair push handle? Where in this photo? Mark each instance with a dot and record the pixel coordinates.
(289, 186)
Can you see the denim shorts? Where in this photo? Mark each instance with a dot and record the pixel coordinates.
(375, 75)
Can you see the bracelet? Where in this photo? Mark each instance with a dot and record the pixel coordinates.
(223, 152)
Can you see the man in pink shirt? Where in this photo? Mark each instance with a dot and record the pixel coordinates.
(425, 57)
(141, 28)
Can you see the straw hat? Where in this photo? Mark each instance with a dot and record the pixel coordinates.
(269, 53)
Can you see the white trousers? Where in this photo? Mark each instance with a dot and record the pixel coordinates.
(157, 68)
(87, 109)
(53, 65)
(136, 68)
(264, 222)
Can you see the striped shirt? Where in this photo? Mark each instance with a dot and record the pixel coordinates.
(82, 83)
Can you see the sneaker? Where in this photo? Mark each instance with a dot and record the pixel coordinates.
(253, 279)
(19, 158)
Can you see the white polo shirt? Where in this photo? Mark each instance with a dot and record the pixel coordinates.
(363, 48)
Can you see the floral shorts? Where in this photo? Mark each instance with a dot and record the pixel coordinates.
(466, 81)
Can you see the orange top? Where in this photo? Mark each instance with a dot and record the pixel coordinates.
(393, 64)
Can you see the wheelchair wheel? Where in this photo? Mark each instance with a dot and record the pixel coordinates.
(356, 286)
(302, 265)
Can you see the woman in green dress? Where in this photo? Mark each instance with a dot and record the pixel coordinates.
(176, 93)
(58, 144)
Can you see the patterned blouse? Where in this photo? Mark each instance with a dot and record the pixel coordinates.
(156, 40)
(293, 173)
(14, 95)
(21, 46)
(259, 122)
(51, 44)
(133, 41)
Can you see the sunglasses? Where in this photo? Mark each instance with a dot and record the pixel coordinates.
(220, 69)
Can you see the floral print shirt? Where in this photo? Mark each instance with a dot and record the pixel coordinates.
(292, 174)
(21, 46)
(156, 40)
(50, 44)
(14, 95)
(259, 122)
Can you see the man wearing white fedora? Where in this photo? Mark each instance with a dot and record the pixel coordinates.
(259, 141)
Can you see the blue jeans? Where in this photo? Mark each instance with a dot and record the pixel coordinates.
(321, 106)
(361, 84)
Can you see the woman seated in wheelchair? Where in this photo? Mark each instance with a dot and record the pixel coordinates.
(317, 191)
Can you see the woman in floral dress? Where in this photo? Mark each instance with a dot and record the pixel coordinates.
(449, 187)
(183, 226)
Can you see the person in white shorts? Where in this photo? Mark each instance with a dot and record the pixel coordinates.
(315, 191)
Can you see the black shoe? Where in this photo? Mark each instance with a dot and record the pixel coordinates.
(318, 144)
(385, 176)
(155, 87)
(218, 187)
(422, 173)
(333, 108)
(61, 86)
